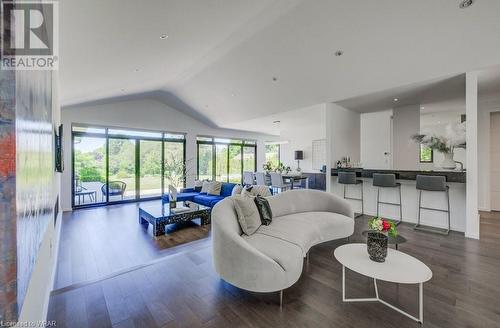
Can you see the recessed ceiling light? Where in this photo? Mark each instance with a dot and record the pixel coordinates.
(123, 90)
(339, 53)
(396, 99)
(422, 107)
(465, 4)
(163, 36)
(275, 79)
(276, 122)
(137, 70)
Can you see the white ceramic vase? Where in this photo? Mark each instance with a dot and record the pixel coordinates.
(448, 162)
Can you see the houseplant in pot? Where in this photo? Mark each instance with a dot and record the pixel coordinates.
(377, 238)
(452, 138)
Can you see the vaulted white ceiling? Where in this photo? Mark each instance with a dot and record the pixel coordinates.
(220, 56)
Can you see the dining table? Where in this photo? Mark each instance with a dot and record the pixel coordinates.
(296, 179)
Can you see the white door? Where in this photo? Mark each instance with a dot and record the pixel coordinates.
(495, 160)
(376, 140)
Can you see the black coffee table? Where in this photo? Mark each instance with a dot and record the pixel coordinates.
(159, 215)
(391, 240)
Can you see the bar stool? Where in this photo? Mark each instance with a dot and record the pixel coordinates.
(388, 180)
(349, 178)
(432, 183)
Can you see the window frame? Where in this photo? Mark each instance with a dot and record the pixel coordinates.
(243, 143)
(420, 155)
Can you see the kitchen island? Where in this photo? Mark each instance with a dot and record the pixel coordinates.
(455, 180)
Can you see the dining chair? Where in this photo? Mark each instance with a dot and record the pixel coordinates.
(248, 178)
(277, 182)
(260, 178)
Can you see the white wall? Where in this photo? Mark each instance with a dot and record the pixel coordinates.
(486, 106)
(406, 122)
(376, 140)
(344, 126)
(300, 137)
(146, 114)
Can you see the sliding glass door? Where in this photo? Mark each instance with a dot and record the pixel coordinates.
(117, 165)
(89, 173)
(150, 169)
(122, 169)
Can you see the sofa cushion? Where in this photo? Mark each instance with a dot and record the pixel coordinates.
(265, 212)
(237, 190)
(308, 228)
(227, 189)
(207, 200)
(247, 213)
(214, 188)
(256, 190)
(287, 255)
(204, 187)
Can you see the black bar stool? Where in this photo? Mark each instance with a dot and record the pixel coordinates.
(432, 183)
(349, 178)
(388, 180)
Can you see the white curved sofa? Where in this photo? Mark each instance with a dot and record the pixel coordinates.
(271, 259)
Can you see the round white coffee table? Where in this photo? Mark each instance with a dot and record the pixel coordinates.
(398, 267)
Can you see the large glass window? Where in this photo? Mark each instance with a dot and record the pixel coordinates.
(235, 164)
(114, 165)
(249, 159)
(176, 168)
(221, 162)
(205, 161)
(225, 159)
(273, 154)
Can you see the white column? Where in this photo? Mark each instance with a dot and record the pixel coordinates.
(329, 145)
(472, 212)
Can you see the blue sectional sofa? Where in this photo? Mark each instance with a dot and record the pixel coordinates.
(202, 198)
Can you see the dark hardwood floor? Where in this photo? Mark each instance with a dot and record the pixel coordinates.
(97, 242)
(181, 289)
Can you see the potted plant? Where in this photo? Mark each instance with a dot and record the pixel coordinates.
(267, 166)
(282, 168)
(377, 238)
(453, 138)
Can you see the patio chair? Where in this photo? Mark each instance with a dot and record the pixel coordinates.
(116, 188)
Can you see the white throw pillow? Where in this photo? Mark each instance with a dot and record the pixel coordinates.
(204, 188)
(256, 190)
(247, 213)
(214, 188)
(237, 190)
(260, 190)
